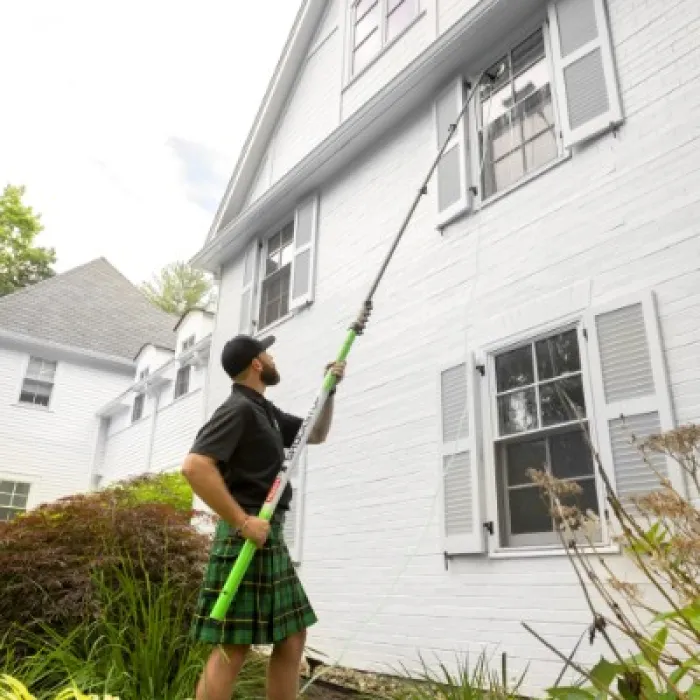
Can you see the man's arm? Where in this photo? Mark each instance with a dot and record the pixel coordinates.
(320, 431)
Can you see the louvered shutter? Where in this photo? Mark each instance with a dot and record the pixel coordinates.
(293, 525)
(584, 69)
(305, 235)
(453, 193)
(463, 528)
(631, 393)
(248, 292)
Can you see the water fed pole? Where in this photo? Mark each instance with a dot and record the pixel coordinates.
(267, 510)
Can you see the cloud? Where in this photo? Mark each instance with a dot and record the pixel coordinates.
(125, 119)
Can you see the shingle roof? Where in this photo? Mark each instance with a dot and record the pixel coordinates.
(92, 307)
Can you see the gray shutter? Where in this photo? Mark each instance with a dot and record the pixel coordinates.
(305, 234)
(463, 528)
(249, 291)
(631, 393)
(452, 174)
(293, 525)
(585, 78)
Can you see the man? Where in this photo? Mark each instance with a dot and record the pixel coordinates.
(231, 466)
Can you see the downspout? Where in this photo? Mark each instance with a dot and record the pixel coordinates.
(152, 435)
(98, 453)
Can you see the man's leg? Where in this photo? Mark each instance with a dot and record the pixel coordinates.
(283, 671)
(220, 672)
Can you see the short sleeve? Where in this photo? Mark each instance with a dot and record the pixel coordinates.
(220, 435)
(289, 425)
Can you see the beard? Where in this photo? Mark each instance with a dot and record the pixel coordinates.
(269, 376)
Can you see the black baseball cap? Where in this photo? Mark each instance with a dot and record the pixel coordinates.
(240, 351)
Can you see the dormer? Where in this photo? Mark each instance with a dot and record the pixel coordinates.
(193, 326)
(149, 359)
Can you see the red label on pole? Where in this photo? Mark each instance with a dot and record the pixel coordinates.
(273, 490)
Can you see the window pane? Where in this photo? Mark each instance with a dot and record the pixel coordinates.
(366, 25)
(528, 52)
(558, 355)
(508, 170)
(365, 53)
(6, 514)
(400, 18)
(5, 499)
(540, 151)
(273, 244)
(35, 392)
(514, 369)
(286, 254)
(19, 501)
(449, 178)
(588, 500)
(288, 234)
(275, 296)
(522, 456)
(528, 511)
(6, 486)
(503, 136)
(570, 455)
(517, 412)
(555, 406)
(22, 489)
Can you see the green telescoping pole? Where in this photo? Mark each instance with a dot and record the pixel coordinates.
(267, 510)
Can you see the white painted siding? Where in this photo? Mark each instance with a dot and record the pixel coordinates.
(52, 448)
(176, 427)
(451, 11)
(621, 213)
(126, 453)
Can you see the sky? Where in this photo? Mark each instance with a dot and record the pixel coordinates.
(124, 120)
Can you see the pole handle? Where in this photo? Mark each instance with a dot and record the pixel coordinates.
(233, 581)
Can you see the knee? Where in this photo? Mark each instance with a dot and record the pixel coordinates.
(230, 656)
(292, 646)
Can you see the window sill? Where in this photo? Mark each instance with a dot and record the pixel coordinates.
(357, 76)
(541, 552)
(524, 181)
(32, 407)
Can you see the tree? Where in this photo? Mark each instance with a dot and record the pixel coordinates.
(21, 262)
(178, 287)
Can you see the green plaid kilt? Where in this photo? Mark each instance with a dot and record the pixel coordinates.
(270, 604)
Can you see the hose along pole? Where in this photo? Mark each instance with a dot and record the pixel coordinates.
(357, 328)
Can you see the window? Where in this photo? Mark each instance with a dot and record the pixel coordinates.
(182, 381)
(552, 90)
(277, 276)
(517, 129)
(278, 271)
(375, 23)
(537, 428)
(137, 410)
(38, 382)
(187, 343)
(13, 499)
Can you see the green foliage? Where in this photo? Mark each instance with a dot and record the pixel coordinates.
(177, 288)
(167, 488)
(21, 262)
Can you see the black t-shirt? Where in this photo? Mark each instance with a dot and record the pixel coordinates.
(246, 435)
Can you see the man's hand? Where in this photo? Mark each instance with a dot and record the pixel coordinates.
(337, 369)
(257, 530)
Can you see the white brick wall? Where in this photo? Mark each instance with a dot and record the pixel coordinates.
(621, 213)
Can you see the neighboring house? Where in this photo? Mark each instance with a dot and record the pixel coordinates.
(71, 351)
(557, 248)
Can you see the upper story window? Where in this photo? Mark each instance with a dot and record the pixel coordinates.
(182, 381)
(552, 89)
(13, 499)
(38, 382)
(375, 23)
(278, 270)
(188, 342)
(139, 399)
(515, 115)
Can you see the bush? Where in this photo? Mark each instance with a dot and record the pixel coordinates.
(50, 556)
(168, 488)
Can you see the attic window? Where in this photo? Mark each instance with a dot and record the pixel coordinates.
(187, 343)
(375, 23)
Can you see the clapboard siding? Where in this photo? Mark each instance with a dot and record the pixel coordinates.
(176, 426)
(619, 216)
(52, 448)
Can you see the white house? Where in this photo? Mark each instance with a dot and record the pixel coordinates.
(557, 247)
(96, 384)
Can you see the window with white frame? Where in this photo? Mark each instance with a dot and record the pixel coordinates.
(182, 381)
(187, 343)
(38, 382)
(539, 400)
(515, 116)
(549, 90)
(374, 24)
(278, 270)
(139, 399)
(13, 499)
